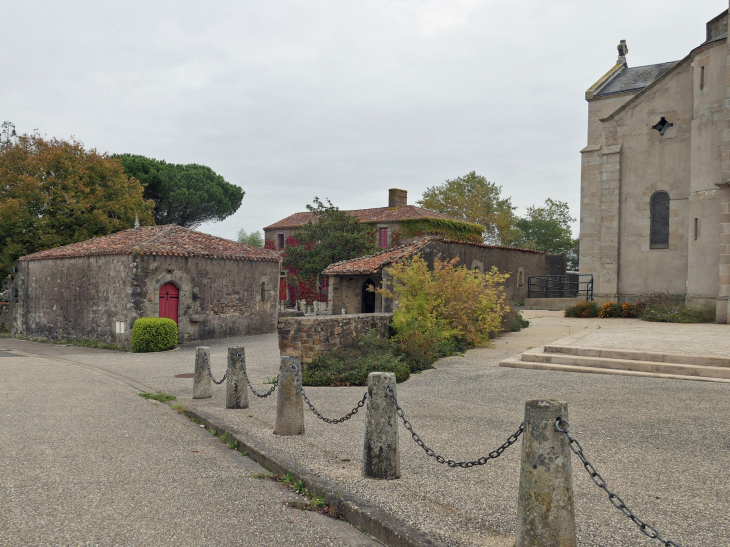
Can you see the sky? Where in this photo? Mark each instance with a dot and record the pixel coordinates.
(330, 98)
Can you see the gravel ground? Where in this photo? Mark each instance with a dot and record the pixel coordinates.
(661, 444)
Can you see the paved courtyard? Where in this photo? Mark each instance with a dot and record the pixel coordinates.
(663, 445)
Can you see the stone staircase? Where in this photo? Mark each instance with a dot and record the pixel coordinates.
(624, 362)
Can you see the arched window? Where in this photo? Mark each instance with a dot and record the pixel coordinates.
(659, 209)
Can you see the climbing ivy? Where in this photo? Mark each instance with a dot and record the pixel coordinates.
(442, 227)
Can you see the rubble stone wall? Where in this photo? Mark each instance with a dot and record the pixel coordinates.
(309, 337)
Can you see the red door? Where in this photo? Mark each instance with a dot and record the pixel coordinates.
(169, 297)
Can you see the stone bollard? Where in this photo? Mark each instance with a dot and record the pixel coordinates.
(236, 389)
(289, 404)
(202, 388)
(545, 511)
(381, 456)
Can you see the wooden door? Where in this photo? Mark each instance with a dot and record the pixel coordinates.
(169, 298)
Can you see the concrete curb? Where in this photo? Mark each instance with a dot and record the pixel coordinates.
(363, 514)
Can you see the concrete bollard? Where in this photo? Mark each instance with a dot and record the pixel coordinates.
(289, 403)
(381, 455)
(236, 388)
(202, 388)
(545, 509)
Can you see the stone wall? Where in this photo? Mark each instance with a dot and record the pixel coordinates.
(309, 337)
(4, 316)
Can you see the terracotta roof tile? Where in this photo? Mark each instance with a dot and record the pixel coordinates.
(168, 239)
(366, 265)
(378, 214)
(371, 264)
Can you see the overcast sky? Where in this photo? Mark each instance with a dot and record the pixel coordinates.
(336, 99)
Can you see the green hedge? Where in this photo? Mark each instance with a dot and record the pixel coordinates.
(153, 334)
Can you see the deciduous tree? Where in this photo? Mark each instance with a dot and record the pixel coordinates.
(332, 236)
(187, 195)
(547, 228)
(472, 198)
(253, 238)
(55, 192)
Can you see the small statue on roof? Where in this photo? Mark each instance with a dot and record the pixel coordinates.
(623, 49)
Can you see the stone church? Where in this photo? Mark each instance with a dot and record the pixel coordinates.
(655, 178)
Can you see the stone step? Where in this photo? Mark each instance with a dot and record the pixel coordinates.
(679, 358)
(517, 362)
(627, 364)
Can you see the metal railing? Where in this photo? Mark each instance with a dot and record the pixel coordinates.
(560, 286)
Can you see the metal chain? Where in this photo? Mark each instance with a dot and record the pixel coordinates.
(616, 501)
(344, 418)
(494, 454)
(260, 395)
(207, 366)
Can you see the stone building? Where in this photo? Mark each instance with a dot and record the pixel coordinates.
(396, 224)
(349, 280)
(655, 180)
(96, 289)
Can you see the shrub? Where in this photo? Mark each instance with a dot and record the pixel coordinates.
(153, 334)
(350, 365)
(610, 309)
(582, 310)
(519, 323)
(444, 310)
(663, 307)
(629, 310)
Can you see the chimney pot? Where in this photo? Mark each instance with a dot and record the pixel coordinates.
(397, 198)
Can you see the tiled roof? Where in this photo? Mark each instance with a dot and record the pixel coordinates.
(371, 264)
(166, 240)
(634, 79)
(378, 214)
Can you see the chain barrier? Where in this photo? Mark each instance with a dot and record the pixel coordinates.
(599, 481)
(207, 366)
(494, 454)
(344, 418)
(260, 395)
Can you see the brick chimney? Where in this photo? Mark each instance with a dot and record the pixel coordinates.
(397, 198)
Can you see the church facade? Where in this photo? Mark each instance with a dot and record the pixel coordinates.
(655, 178)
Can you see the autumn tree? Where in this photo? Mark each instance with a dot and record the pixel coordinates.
(547, 228)
(187, 195)
(472, 198)
(55, 192)
(330, 237)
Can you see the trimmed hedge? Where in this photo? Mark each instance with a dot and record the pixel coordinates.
(153, 334)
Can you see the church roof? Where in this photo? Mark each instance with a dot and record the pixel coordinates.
(166, 240)
(377, 214)
(634, 79)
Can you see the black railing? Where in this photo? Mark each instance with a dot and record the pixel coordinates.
(560, 286)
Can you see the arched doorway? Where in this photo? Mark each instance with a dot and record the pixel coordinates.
(169, 298)
(368, 297)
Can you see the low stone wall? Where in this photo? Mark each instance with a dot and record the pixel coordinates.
(4, 316)
(309, 337)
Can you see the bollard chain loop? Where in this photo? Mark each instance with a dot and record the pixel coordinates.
(344, 418)
(494, 454)
(564, 427)
(207, 366)
(260, 395)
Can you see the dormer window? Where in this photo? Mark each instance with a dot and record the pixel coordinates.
(662, 126)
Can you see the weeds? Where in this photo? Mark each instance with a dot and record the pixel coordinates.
(231, 442)
(80, 342)
(314, 501)
(179, 408)
(162, 397)
(270, 381)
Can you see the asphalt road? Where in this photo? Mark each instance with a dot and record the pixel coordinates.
(84, 460)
